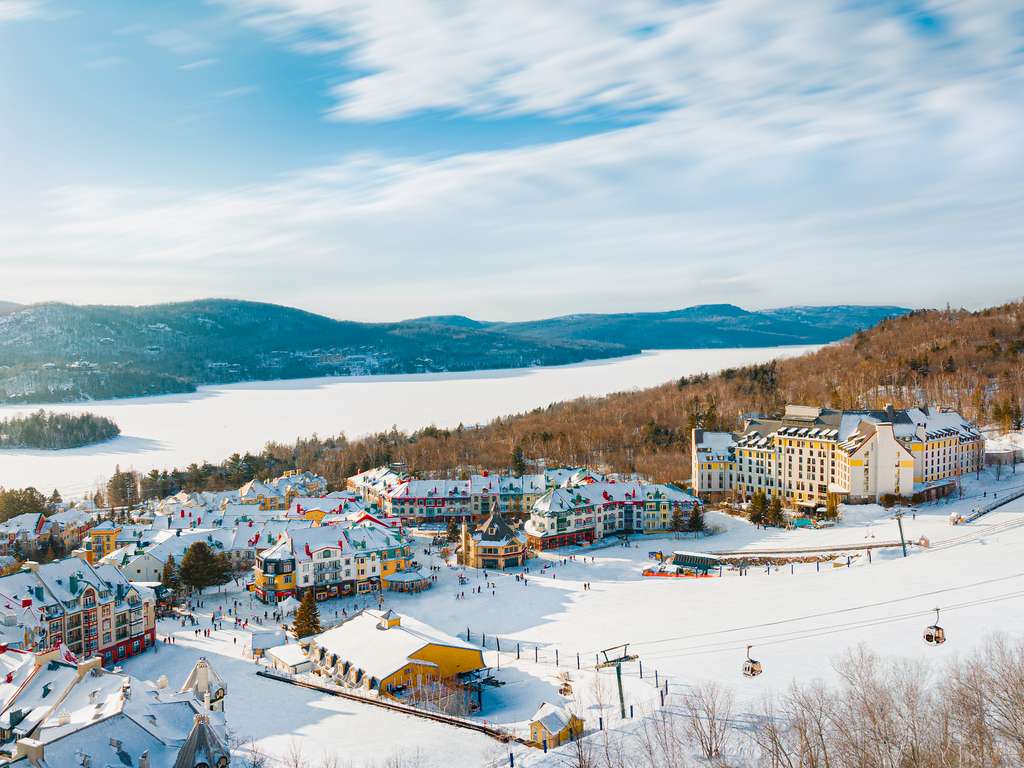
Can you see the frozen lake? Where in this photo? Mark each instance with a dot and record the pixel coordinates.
(216, 421)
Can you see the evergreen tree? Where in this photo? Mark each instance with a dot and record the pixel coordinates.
(201, 568)
(55, 499)
(518, 462)
(307, 618)
(123, 489)
(169, 577)
(758, 508)
(696, 522)
(678, 523)
(18, 501)
(453, 530)
(774, 515)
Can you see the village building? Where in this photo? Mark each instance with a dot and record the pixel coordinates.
(93, 610)
(441, 502)
(589, 512)
(374, 483)
(493, 544)
(515, 495)
(551, 726)
(394, 656)
(70, 526)
(21, 533)
(809, 454)
(331, 560)
(290, 658)
(58, 712)
(428, 501)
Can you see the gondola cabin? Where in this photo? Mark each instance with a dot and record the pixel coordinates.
(935, 635)
(751, 667)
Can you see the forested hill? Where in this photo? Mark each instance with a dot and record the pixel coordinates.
(973, 361)
(61, 352)
(707, 325)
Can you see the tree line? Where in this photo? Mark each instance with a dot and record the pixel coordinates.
(51, 431)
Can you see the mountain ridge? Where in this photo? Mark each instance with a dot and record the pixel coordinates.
(58, 352)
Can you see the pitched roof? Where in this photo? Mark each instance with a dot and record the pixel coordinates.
(495, 529)
(552, 717)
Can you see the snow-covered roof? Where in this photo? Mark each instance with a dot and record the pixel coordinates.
(430, 489)
(565, 499)
(552, 717)
(291, 654)
(506, 484)
(369, 644)
(301, 544)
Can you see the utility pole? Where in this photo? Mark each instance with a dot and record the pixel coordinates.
(617, 662)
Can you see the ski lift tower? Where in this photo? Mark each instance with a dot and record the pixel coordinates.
(616, 656)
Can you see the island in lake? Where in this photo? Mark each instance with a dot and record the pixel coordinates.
(51, 431)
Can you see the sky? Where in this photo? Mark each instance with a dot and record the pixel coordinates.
(512, 160)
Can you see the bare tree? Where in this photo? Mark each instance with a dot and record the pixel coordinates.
(708, 711)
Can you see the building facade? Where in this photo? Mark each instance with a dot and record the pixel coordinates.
(493, 545)
(92, 610)
(330, 560)
(587, 513)
(810, 453)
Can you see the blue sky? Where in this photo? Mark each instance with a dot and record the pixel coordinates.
(511, 160)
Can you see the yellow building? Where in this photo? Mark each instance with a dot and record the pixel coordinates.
(810, 453)
(552, 726)
(493, 545)
(393, 655)
(102, 540)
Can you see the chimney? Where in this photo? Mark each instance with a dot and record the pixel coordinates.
(890, 412)
(144, 760)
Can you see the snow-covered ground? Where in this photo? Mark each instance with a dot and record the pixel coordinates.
(687, 630)
(216, 421)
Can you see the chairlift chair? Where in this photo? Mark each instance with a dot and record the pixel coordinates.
(935, 635)
(751, 667)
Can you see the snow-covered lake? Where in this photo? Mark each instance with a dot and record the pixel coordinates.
(216, 421)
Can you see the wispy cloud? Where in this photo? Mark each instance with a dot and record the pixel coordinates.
(629, 219)
(198, 64)
(13, 10)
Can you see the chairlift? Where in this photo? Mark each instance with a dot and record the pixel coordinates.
(935, 635)
(751, 667)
